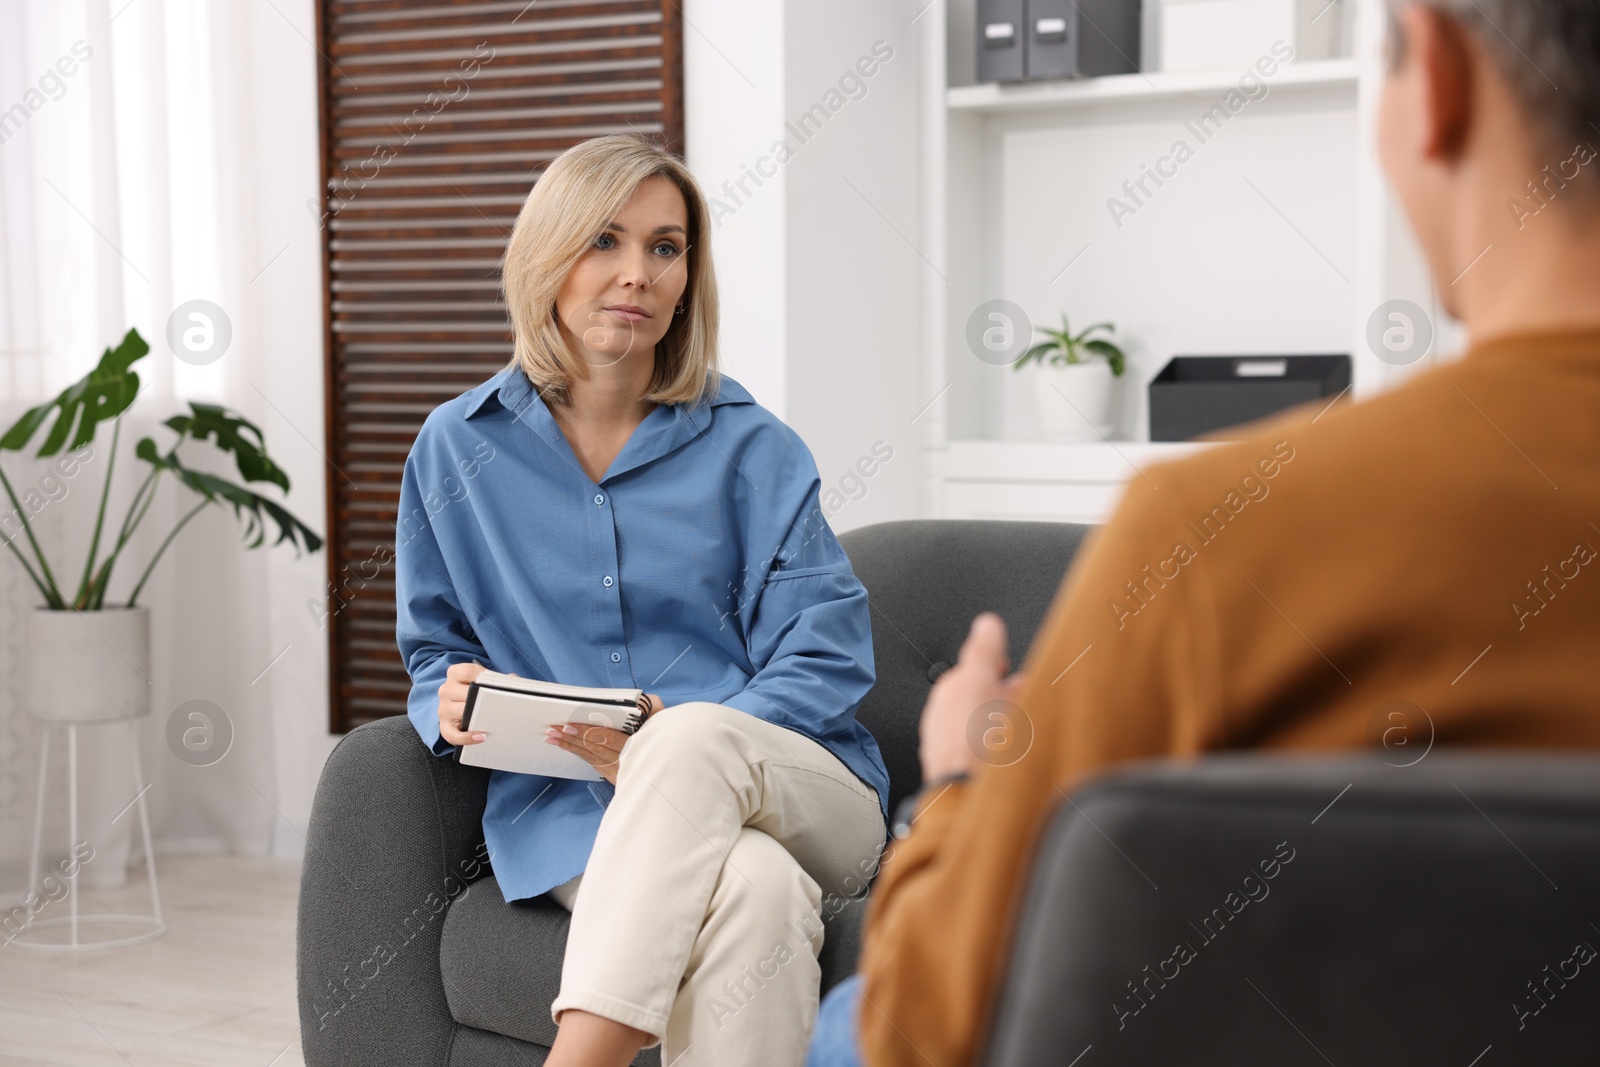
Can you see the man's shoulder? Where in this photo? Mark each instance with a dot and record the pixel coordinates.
(1320, 447)
(1258, 452)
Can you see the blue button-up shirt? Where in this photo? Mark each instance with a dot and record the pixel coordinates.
(700, 567)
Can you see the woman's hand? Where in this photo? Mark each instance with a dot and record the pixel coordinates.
(599, 746)
(453, 702)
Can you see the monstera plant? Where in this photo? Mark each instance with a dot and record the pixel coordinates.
(87, 661)
(102, 396)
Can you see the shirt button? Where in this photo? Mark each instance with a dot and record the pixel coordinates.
(616, 657)
(606, 581)
(599, 498)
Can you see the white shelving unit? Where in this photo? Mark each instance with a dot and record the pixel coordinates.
(1276, 236)
(1067, 483)
(1021, 96)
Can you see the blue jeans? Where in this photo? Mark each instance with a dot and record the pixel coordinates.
(835, 1042)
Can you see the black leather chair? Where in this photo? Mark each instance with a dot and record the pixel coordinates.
(1288, 911)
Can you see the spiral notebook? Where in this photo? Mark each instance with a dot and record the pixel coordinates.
(516, 712)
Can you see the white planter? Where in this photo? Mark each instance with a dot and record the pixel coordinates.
(1075, 401)
(86, 669)
(88, 666)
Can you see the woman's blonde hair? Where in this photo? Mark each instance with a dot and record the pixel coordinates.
(569, 206)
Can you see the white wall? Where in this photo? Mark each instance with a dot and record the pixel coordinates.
(733, 59)
(1206, 266)
(815, 221)
(853, 263)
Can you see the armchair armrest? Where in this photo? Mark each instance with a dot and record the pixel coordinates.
(395, 836)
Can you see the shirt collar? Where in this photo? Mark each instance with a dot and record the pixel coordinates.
(511, 385)
(510, 380)
(662, 431)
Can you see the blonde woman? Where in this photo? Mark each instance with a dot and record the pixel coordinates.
(609, 510)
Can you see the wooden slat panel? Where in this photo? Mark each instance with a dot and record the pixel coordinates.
(424, 170)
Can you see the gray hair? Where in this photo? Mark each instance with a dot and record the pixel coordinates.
(1549, 51)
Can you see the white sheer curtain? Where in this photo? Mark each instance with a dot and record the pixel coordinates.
(132, 137)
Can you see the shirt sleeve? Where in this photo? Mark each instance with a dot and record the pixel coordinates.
(431, 629)
(1103, 685)
(808, 632)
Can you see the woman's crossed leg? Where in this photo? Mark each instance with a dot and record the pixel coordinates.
(699, 920)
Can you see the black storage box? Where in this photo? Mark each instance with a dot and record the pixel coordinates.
(1195, 395)
(1020, 40)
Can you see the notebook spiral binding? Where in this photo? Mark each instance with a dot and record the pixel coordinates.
(636, 719)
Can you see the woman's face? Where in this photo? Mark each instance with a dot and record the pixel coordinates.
(618, 300)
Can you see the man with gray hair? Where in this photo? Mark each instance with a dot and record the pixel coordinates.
(1436, 544)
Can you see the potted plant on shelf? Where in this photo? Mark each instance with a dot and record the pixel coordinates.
(1078, 370)
(76, 675)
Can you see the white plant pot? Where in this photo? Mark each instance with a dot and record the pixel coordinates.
(1075, 401)
(84, 669)
(88, 666)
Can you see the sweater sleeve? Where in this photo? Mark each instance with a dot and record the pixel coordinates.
(1120, 670)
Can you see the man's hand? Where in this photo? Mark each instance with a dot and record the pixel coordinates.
(599, 746)
(979, 677)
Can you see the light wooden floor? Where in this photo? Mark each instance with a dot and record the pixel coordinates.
(216, 990)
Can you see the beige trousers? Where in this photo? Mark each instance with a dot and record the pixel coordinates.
(699, 916)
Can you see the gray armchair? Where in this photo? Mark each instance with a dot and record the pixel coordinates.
(407, 953)
(1429, 914)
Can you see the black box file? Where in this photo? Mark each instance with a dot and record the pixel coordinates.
(1000, 37)
(1195, 395)
(1021, 40)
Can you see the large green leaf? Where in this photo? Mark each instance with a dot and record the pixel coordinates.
(209, 421)
(103, 393)
(247, 505)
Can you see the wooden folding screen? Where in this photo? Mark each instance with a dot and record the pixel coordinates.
(436, 119)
